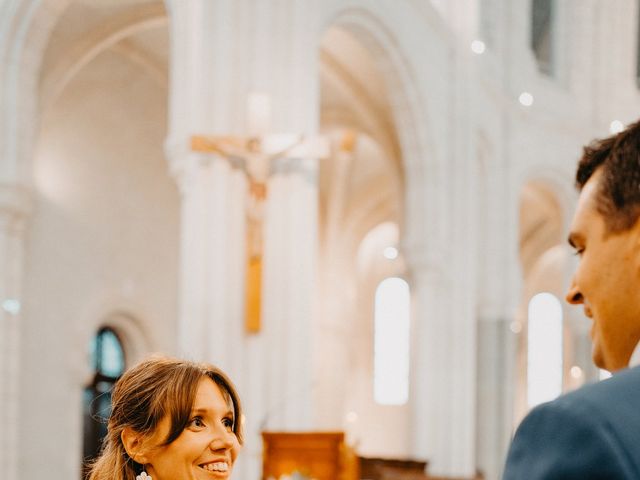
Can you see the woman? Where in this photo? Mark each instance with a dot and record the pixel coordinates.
(171, 420)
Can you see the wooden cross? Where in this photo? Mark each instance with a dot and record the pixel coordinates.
(258, 153)
(228, 146)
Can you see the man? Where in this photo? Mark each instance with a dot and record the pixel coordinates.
(594, 432)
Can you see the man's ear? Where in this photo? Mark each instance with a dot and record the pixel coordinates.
(134, 445)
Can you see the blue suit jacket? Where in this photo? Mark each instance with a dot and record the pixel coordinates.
(591, 433)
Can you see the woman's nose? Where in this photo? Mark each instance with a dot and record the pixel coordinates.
(222, 439)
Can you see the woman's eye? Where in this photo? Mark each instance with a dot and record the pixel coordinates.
(196, 422)
(228, 422)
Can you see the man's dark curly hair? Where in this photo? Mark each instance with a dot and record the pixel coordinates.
(618, 196)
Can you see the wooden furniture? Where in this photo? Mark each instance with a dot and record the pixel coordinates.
(479, 476)
(324, 456)
(375, 468)
(317, 455)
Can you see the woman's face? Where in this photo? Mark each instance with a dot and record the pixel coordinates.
(205, 450)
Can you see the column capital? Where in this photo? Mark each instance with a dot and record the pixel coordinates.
(308, 167)
(186, 165)
(181, 156)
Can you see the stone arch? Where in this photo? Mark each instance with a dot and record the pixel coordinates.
(372, 25)
(541, 222)
(132, 338)
(25, 34)
(132, 330)
(422, 141)
(138, 19)
(136, 338)
(558, 181)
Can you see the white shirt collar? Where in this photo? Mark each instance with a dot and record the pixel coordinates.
(635, 356)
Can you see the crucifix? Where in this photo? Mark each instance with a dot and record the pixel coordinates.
(257, 151)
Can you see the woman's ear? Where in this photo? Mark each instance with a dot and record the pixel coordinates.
(134, 445)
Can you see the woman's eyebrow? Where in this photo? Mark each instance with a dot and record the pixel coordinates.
(201, 410)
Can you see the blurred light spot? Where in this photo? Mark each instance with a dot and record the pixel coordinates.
(352, 417)
(11, 305)
(526, 99)
(576, 372)
(515, 327)
(616, 126)
(604, 374)
(478, 46)
(390, 253)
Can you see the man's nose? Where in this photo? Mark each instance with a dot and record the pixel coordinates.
(574, 296)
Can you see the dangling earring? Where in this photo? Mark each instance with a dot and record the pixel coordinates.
(143, 476)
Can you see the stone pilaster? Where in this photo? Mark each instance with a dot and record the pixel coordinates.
(14, 212)
(497, 345)
(428, 372)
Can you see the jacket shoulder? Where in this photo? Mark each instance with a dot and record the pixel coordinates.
(620, 391)
(594, 430)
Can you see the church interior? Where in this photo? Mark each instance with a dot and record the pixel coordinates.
(358, 209)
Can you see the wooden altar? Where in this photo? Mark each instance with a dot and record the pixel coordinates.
(325, 456)
(316, 455)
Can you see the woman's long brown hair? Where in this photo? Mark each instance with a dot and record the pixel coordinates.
(143, 396)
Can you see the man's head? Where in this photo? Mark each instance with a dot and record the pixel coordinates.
(605, 233)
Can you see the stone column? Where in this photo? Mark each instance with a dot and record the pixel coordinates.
(212, 264)
(443, 372)
(289, 279)
(499, 294)
(444, 276)
(204, 101)
(221, 52)
(429, 389)
(211, 320)
(14, 212)
(440, 247)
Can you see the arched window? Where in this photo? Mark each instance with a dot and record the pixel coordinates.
(544, 351)
(391, 342)
(542, 38)
(107, 363)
